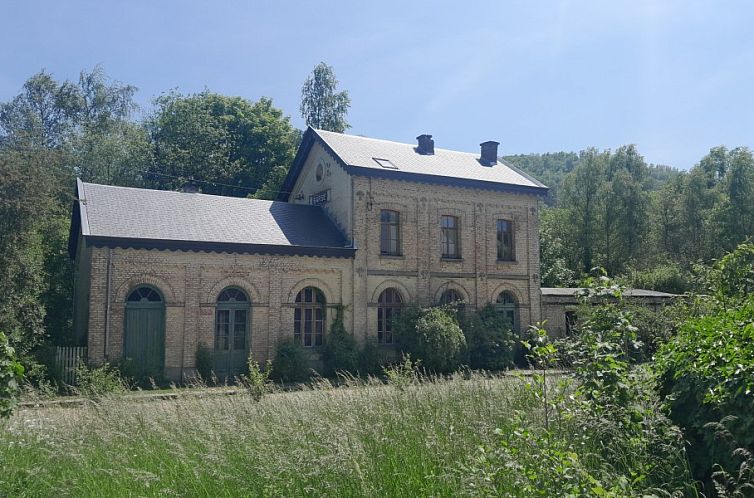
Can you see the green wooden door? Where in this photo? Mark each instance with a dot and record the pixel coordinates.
(144, 337)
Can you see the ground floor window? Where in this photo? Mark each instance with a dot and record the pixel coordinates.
(309, 317)
(508, 307)
(388, 307)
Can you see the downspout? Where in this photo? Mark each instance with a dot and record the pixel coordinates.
(108, 292)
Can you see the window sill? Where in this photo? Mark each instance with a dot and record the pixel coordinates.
(392, 256)
(506, 261)
(452, 260)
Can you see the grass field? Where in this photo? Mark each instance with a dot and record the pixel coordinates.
(369, 439)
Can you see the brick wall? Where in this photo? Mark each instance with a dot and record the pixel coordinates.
(191, 281)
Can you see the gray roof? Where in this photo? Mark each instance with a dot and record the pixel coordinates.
(573, 292)
(133, 214)
(361, 152)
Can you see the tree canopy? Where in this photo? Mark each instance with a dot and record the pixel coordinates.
(322, 106)
(229, 145)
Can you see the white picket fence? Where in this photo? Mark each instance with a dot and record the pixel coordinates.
(68, 359)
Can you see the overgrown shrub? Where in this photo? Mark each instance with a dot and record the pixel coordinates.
(340, 352)
(707, 370)
(372, 358)
(257, 380)
(204, 359)
(96, 383)
(431, 335)
(669, 277)
(404, 373)
(136, 375)
(490, 341)
(291, 363)
(603, 435)
(11, 374)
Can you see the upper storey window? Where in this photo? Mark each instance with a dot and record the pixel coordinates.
(505, 240)
(390, 230)
(450, 242)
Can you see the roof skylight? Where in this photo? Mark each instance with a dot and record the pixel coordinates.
(385, 163)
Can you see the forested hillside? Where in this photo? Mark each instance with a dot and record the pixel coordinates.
(646, 223)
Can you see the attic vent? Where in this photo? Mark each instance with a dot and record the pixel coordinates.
(385, 163)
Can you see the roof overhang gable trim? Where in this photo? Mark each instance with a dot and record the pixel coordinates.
(219, 247)
(310, 136)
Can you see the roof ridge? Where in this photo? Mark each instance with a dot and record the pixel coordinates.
(178, 192)
(394, 142)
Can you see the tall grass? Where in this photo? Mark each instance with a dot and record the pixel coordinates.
(365, 440)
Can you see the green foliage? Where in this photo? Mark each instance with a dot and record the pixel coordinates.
(257, 381)
(139, 375)
(490, 341)
(228, 145)
(404, 373)
(556, 262)
(551, 169)
(291, 363)
(731, 279)
(372, 358)
(665, 277)
(204, 361)
(431, 335)
(574, 440)
(707, 370)
(99, 382)
(340, 352)
(322, 106)
(11, 375)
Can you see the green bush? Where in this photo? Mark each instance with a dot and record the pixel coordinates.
(136, 375)
(707, 370)
(204, 357)
(372, 358)
(669, 277)
(11, 374)
(96, 383)
(601, 435)
(340, 352)
(431, 335)
(257, 380)
(490, 341)
(291, 363)
(707, 373)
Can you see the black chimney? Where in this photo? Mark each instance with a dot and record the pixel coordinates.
(489, 153)
(426, 145)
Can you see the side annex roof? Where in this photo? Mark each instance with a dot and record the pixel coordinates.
(133, 217)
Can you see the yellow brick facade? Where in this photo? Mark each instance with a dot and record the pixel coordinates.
(190, 282)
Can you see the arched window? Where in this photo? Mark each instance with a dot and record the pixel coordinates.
(309, 317)
(388, 307)
(450, 296)
(508, 307)
(231, 320)
(144, 295)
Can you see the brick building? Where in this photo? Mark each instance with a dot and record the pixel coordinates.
(363, 226)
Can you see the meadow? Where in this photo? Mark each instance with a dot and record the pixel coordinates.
(363, 439)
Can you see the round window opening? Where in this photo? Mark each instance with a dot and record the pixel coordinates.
(320, 173)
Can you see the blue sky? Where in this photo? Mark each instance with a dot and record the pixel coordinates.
(675, 78)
